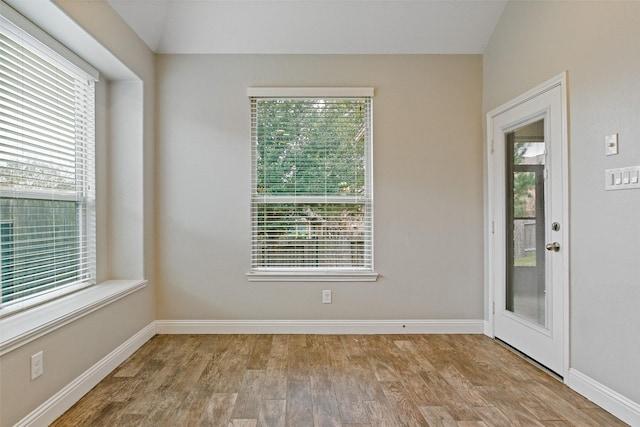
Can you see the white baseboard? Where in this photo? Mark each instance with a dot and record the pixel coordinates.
(454, 326)
(610, 400)
(50, 410)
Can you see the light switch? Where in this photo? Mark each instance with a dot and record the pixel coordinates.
(627, 178)
(611, 144)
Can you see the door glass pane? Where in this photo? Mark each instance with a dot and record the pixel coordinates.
(525, 293)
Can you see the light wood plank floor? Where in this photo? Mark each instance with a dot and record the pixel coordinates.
(330, 380)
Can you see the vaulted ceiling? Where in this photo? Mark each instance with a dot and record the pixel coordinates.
(313, 26)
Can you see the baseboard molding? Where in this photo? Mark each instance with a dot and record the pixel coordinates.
(610, 400)
(337, 327)
(50, 410)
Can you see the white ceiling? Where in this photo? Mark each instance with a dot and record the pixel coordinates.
(312, 26)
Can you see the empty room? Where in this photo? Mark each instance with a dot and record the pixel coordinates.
(319, 213)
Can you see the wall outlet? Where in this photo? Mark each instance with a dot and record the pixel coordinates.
(37, 365)
(326, 296)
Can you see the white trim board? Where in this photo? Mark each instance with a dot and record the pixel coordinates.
(28, 325)
(610, 400)
(282, 92)
(64, 399)
(450, 326)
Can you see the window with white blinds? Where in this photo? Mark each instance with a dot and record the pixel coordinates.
(47, 169)
(311, 197)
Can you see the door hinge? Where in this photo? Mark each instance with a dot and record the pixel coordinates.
(493, 227)
(492, 147)
(493, 308)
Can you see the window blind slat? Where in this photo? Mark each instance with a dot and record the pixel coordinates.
(35, 119)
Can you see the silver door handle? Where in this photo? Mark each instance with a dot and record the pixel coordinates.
(555, 246)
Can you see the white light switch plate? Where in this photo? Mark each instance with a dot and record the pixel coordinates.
(622, 178)
(611, 144)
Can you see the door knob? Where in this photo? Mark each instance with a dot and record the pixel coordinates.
(555, 246)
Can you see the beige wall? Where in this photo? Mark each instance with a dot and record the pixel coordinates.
(125, 227)
(427, 182)
(599, 44)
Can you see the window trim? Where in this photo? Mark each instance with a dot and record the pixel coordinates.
(302, 92)
(29, 325)
(20, 29)
(298, 274)
(316, 276)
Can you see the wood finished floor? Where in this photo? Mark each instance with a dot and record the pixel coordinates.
(330, 380)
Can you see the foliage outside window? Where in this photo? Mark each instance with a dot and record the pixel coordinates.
(311, 184)
(47, 198)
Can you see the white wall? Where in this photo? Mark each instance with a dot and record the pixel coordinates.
(598, 43)
(427, 181)
(125, 225)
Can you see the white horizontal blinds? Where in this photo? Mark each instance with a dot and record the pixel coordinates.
(311, 183)
(47, 169)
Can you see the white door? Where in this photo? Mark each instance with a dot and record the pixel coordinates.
(528, 238)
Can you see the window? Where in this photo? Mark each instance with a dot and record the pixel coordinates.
(47, 196)
(311, 196)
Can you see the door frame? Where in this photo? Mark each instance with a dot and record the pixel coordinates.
(493, 205)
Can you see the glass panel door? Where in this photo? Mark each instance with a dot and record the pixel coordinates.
(525, 215)
(527, 244)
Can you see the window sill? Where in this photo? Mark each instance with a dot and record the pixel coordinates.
(23, 327)
(304, 276)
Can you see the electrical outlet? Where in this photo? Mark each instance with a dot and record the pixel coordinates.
(326, 296)
(37, 365)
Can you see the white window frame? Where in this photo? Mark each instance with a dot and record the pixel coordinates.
(37, 41)
(300, 274)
